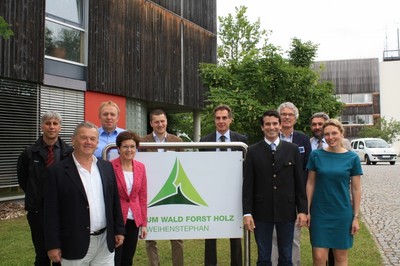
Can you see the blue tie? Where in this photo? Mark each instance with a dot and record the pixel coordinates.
(273, 146)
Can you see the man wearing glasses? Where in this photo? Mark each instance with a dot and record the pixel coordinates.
(289, 114)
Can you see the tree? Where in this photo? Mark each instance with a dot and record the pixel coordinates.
(5, 29)
(387, 130)
(241, 38)
(252, 76)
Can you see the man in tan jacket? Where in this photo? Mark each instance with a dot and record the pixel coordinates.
(158, 121)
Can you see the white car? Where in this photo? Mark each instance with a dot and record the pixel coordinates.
(373, 150)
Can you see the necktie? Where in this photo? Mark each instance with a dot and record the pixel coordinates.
(273, 146)
(50, 156)
(319, 146)
(222, 138)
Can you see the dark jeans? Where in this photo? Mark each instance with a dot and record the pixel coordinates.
(124, 254)
(36, 220)
(263, 235)
(210, 257)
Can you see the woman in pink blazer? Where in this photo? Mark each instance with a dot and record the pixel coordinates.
(132, 190)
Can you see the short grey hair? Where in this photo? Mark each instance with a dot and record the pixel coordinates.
(86, 124)
(322, 115)
(50, 115)
(290, 106)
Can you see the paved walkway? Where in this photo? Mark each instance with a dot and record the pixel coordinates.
(380, 207)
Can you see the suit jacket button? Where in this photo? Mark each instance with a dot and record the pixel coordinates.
(274, 175)
(274, 187)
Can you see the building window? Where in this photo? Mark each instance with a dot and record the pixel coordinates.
(355, 98)
(357, 119)
(65, 30)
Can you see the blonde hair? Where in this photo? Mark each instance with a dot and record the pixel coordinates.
(110, 103)
(335, 123)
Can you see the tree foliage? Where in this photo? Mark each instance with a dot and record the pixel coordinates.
(5, 29)
(240, 38)
(252, 76)
(384, 129)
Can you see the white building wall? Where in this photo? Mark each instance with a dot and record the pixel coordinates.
(390, 92)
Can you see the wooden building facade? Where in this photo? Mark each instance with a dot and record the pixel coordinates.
(356, 84)
(68, 56)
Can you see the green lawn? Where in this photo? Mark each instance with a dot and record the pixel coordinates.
(16, 248)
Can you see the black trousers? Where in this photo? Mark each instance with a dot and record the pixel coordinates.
(210, 257)
(36, 223)
(124, 254)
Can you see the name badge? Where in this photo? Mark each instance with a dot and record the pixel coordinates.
(301, 149)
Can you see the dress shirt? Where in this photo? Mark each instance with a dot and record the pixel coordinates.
(227, 135)
(276, 142)
(314, 143)
(94, 193)
(156, 139)
(105, 139)
(288, 138)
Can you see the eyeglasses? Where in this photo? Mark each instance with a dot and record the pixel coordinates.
(128, 147)
(287, 114)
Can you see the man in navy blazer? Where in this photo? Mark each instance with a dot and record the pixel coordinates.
(289, 114)
(222, 119)
(83, 220)
(274, 192)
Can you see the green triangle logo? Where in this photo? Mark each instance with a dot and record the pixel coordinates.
(177, 190)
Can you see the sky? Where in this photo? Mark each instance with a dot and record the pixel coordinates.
(343, 29)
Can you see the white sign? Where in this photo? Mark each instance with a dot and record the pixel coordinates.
(193, 195)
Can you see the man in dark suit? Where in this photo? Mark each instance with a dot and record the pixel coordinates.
(274, 192)
(222, 119)
(159, 123)
(83, 220)
(289, 115)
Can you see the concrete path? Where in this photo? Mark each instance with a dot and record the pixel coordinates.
(380, 208)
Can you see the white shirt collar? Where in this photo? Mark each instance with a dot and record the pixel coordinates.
(276, 142)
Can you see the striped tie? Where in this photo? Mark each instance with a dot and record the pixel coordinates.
(50, 156)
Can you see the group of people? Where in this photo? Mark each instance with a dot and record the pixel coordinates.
(291, 181)
(82, 208)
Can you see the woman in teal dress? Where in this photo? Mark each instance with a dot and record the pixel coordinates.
(333, 172)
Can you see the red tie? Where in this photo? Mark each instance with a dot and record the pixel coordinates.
(50, 156)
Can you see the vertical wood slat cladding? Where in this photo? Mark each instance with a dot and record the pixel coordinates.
(173, 6)
(22, 55)
(135, 51)
(352, 76)
(161, 55)
(199, 46)
(200, 12)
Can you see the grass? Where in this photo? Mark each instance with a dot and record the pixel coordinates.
(16, 248)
